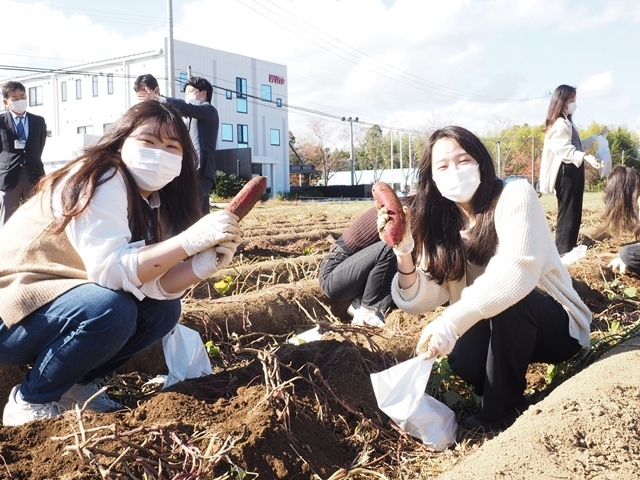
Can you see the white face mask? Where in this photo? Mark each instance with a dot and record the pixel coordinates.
(571, 108)
(191, 98)
(19, 106)
(152, 168)
(458, 185)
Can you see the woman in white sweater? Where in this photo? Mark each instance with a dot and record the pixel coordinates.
(562, 166)
(485, 250)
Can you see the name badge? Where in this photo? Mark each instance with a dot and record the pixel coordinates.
(20, 144)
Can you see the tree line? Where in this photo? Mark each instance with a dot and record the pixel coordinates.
(516, 150)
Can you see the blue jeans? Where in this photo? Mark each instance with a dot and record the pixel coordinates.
(84, 334)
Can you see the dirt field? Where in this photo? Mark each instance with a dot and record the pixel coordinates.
(285, 411)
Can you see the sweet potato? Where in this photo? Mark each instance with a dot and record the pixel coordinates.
(246, 198)
(384, 196)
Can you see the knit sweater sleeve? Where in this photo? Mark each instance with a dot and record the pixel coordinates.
(515, 269)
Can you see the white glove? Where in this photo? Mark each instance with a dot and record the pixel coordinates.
(591, 160)
(209, 261)
(204, 263)
(225, 251)
(438, 338)
(407, 244)
(210, 230)
(617, 263)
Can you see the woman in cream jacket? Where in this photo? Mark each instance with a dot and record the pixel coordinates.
(562, 167)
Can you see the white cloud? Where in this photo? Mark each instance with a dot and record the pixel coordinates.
(597, 86)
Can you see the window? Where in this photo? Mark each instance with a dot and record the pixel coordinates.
(266, 93)
(63, 91)
(243, 136)
(86, 129)
(109, 83)
(35, 96)
(78, 89)
(275, 136)
(241, 96)
(94, 85)
(229, 94)
(278, 102)
(226, 132)
(183, 80)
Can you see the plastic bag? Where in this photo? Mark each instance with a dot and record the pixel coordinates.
(400, 392)
(604, 155)
(185, 355)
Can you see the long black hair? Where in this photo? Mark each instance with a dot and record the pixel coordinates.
(437, 221)
(100, 162)
(559, 99)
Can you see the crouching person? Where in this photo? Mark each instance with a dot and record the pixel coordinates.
(486, 251)
(93, 265)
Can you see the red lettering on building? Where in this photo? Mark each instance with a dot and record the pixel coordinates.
(276, 79)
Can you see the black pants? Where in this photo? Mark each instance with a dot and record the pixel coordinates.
(494, 354)
(368, 273)
(205, 187)
(569, 192)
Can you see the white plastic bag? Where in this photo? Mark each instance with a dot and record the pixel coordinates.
(400, 392)
(185, 355)
(604, 155)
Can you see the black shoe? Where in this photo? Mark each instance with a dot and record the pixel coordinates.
(479, 421)
(494, 425)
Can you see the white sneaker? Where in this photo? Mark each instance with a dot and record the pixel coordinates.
(79, 394)
(19, 412)
(365, 316)
(355, 305)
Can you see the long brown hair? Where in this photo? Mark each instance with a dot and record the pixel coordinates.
(559, 99)
(100, 162)
(437, 221)
(621, 210)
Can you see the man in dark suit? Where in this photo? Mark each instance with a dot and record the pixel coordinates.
(22, 139)
(203, 122)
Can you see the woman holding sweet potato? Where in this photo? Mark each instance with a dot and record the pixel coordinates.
(485, 250)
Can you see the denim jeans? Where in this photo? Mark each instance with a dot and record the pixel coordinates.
(494, 354)
(84, 334)
(367, 273)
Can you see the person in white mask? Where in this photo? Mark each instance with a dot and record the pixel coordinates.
(95, 263)
(484, 250)
(562, 166)
(22, 139)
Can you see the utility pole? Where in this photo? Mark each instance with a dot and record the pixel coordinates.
(352, 159)
(170, 60)
(391, 156)
(499, 176)
(533, 166)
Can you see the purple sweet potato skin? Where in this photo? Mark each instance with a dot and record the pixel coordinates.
(246, 198)
(384, 196)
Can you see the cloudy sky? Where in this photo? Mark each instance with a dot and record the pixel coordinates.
(405, 64)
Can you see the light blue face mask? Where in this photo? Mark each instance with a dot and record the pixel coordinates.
(458, 185)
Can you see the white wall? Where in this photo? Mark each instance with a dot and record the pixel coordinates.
(63, 118)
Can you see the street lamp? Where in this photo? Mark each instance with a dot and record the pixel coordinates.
(498, 142)
(353, 164)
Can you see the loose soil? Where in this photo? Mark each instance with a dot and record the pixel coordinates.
(307, 411)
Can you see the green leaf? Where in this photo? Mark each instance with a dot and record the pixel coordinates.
(451, 398)
(630, 292)
(212, 349)
(223, 285)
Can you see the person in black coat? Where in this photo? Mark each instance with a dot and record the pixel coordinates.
(22, 139)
